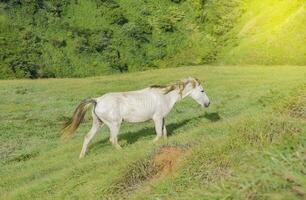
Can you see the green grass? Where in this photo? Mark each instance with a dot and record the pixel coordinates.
(250, 144)
(269, 32)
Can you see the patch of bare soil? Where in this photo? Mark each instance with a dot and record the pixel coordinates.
(164, 162)
(159, 164)
(298, 107)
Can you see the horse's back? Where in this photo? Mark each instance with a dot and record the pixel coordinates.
(138, 106)
(133, 106)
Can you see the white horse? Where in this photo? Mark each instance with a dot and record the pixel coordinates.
(154, 102)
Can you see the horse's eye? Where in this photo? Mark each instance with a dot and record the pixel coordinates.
(202, 90)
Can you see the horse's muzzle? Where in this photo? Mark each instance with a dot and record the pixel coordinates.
(207, 104)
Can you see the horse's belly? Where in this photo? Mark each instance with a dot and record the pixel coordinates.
(137, 117)
(135, 120)
(138, 107)
(137, 113)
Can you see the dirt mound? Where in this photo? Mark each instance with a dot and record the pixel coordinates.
(298, 107)
(157, 165)
(164, 162)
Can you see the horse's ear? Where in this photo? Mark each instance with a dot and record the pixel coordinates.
(194, 83)
(184, 80)
(198, 81)
(190, 78)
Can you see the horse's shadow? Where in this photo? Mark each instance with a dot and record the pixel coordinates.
(131, 136)
(213, 117)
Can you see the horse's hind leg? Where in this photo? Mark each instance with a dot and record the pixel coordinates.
(96, 125)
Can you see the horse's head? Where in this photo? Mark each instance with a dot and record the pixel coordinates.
(197, 92)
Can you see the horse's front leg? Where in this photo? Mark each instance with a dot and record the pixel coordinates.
(164, 129)
(114, 130)
(158, 122)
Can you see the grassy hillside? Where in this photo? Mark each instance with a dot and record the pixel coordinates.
(79, 38)
(250, 144)
(269, 32)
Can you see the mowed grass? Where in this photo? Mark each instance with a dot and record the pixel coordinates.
(250, 144)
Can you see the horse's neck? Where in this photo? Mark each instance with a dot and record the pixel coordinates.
(175, 96)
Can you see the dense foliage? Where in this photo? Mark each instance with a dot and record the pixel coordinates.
(77, 38)
(74, 38)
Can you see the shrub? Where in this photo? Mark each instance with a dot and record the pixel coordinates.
(101, 39)
(79, 31)
(114, 61)
(107, 3)
(82, 45)
(138, 31)
(118, 18)
(24, 68)
(102, 43)
(59, 42)
(92, 40)
(145, 12)
(166, 24)
(177, 1)
(119, 66)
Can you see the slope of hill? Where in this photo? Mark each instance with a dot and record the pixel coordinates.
(250, 144)
(270, 32)
(78, 38)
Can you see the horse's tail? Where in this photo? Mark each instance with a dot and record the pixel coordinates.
(77, 117)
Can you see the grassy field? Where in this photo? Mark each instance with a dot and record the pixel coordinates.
(250, 144)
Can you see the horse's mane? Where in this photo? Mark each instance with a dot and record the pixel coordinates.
(180, 85)
(159, 86)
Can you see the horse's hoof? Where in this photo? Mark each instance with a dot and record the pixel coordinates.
(156, 140)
